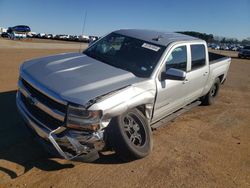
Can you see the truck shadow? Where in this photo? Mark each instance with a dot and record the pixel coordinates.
(18, 146)
(16, 143)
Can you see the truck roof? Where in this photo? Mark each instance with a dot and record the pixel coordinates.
(156, 37)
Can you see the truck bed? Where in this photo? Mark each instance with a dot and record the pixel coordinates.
(215, 58)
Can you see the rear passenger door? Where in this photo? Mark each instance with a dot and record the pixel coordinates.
(198, 71)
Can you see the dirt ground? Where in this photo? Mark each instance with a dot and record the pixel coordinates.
(40, 44)
(206, 147)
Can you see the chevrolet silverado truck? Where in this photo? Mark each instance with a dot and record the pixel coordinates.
(116, 91)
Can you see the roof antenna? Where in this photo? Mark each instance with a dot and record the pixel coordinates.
(159, 37)
(83, 28)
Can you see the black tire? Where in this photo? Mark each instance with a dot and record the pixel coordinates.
(130, 135)
(209, 98)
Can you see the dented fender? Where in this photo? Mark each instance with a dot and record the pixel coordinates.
(121, 100)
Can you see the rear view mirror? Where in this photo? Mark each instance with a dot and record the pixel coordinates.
(173, 74)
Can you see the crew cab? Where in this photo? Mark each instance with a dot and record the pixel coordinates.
(113, 93)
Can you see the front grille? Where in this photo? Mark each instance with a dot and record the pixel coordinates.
(43, 98)
(42, 116)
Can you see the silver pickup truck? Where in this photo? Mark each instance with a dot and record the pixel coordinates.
(116, 91)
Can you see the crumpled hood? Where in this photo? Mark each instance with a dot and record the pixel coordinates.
(76, 77)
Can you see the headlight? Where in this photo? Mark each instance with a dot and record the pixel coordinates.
(80, 118)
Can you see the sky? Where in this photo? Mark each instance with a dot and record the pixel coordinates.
(227, 18)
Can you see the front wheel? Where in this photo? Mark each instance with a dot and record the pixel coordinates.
(130, 135)
(209, 98)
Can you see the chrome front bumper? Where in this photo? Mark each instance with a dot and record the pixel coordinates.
(69, 143)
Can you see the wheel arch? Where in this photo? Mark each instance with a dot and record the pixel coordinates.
(221, 77)
(146, 110)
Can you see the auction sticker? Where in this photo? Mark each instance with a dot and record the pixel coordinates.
(151, 47)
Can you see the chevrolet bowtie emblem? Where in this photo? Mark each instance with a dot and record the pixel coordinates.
(32, 100)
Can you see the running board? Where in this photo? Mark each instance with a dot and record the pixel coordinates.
(174, 115)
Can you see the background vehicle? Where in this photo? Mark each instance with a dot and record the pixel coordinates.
(224, 47)
(5, 35)
(19, 31)
(235, 48)
(117, 90)
(215, 47)
(244, 52)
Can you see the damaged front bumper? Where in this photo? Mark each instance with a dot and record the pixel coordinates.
(69, 143)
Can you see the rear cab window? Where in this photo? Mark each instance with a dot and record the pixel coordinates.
(198, 56)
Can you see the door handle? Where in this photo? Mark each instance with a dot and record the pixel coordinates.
(185, 81)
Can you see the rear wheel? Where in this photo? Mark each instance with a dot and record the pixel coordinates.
(130, 135)
(209, 98)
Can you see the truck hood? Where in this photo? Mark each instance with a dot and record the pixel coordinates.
(76, 77)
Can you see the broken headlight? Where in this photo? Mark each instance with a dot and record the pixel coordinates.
(82, 119)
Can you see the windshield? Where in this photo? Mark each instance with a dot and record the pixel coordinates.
(127, 53)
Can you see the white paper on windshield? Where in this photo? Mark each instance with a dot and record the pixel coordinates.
(151, 47)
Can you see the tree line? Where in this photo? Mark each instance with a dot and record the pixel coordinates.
(210, 38)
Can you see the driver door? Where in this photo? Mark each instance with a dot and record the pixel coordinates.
(171, 93)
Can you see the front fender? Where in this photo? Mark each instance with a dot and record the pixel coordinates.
(127, 98)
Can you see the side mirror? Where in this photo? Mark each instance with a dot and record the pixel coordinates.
(173, 74)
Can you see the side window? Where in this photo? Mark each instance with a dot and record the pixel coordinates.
(177, 59)
(198, 56)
